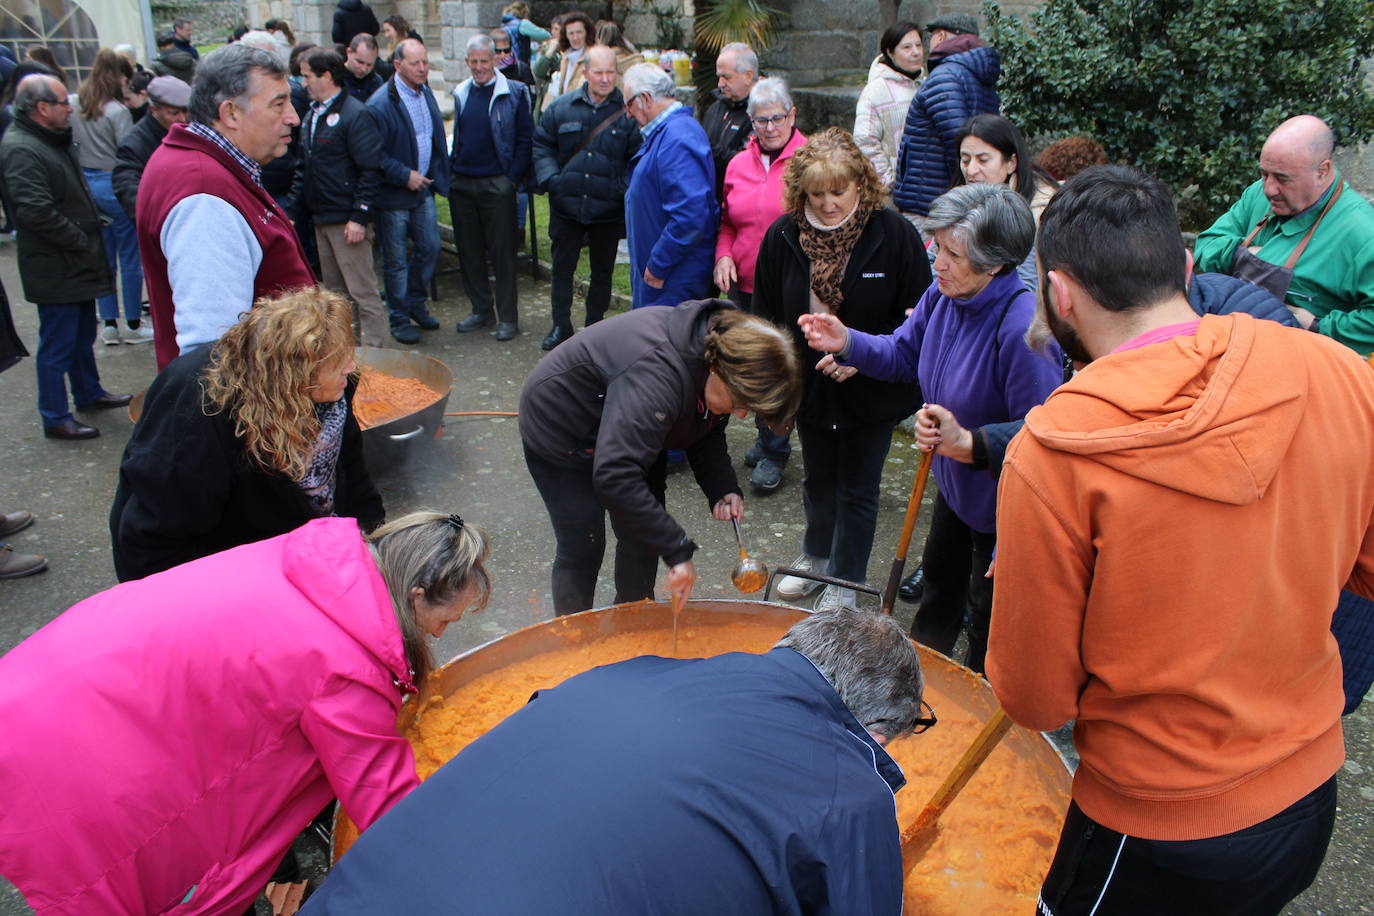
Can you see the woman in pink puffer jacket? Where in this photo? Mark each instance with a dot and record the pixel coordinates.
(165, 740)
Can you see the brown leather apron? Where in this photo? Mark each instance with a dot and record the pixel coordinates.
(1276, 278)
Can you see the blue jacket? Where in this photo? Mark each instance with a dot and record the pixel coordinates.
(971, 358)
(733, 784)
(1219, 294)
(512, 126)
(959, 87)
(399, 151)
(671, 212)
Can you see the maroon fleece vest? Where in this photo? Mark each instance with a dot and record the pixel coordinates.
(182, 166)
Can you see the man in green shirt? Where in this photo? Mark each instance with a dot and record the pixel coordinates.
(1302, 233)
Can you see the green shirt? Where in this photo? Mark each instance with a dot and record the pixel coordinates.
(1334, 278)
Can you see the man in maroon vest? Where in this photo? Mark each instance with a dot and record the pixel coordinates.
(213, 240)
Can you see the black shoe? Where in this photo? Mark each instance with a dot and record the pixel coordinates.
(913, 585)
(70, 429)
(556, 337)
(107, 401)
(424, 319)
(405, 334)
(507, 330)
(474, 322)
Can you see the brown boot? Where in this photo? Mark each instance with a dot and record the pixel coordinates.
(16, 565)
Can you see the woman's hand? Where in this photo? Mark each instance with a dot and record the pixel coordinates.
(681, 578)
(937, 430)
(834, 370)
(731, 505)
(725, 274)
(824, 332)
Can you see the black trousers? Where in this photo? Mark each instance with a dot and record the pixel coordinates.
(1252, 872)
(483, 213)
(955, 559)
(579, 531)
(844, 474)
(567, 239)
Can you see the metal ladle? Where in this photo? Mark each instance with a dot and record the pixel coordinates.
(750, 575)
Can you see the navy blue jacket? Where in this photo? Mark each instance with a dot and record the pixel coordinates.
(590, 187)
(338, 172)
(734, 784)
(400, 153)
(959, 87)
(512, 126)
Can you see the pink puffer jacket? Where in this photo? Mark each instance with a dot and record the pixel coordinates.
(164, 741)
(752, 201)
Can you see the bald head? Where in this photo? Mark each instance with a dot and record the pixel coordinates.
(44, 100)
(1295, 164)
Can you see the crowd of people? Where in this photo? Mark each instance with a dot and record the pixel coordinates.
(1123, 435)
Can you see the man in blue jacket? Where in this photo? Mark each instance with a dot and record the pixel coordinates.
(962, 83)
(414, 169)
(736, 784)
(492, 135)
(670, 208)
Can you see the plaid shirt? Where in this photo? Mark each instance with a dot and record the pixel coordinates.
(418, 108)
(206, 132)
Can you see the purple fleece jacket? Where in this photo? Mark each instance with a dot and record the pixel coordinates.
(948, 344)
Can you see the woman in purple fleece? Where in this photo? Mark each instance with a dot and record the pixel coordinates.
(964, 343)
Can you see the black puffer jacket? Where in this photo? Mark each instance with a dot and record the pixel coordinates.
(61, 253)
(134, 151)
(175, 63)
(340, 165)
(887, 273)
(728, 128)
(589, 187)
(614, 396)
(187, 488)
(353, 17)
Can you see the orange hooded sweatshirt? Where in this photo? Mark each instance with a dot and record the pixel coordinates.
(1174, 525)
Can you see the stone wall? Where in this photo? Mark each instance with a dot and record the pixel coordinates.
(213, 20)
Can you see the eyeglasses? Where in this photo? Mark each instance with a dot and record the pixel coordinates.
(501, 50)
(925, 721)
(66, 102)
(761, 123)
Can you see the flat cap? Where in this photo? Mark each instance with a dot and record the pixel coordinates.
(170, 91)
(958, 23)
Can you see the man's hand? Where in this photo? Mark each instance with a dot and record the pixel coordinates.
(824, 332)
(416, 181)
(354, 232)
(653, 281)
(725, 274)
(833, 369)
(1305, 318)
(937, 430)
(731, 505)
(681, 578)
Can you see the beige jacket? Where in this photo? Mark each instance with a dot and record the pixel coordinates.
(881, 115)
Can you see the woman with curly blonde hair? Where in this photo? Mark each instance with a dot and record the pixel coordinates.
(840, 250)
(245, 439)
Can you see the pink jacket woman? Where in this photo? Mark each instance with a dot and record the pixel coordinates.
(165, 740)
(752, 201)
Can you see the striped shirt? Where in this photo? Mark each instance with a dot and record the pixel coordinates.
(418, 109)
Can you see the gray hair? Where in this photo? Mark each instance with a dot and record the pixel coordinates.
(772, 91)
(35, 88)
(745, 58)
(870, 662)
(481, 43)
(991, 221)
(650, 78)
(425, 550)
(225, 75)
(267, 41)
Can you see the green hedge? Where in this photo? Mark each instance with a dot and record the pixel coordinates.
(1186, 89)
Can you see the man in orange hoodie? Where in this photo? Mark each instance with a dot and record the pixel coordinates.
(1174, 526)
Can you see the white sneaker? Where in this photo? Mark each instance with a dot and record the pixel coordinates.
(834, 597)
(141, 334)
(790, 588)
(110, 335)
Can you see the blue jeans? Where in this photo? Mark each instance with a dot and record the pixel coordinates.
(843, 473)
(121, 250)
(407, 278)
(66, 349)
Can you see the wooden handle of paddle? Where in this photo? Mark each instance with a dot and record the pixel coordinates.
(913, 510)
(983, 745)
